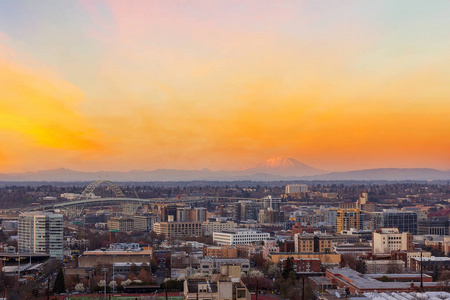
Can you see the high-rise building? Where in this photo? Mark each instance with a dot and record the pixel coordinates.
(405, 221)
(271, 202)
(41, 232)
(296, 188)
(348, 218)
(145, 222)
(246, 210)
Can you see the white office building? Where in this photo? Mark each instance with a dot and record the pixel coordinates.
(41, 232)
(296, 188)
(239, 237)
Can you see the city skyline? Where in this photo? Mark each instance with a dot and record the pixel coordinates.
(111, 85)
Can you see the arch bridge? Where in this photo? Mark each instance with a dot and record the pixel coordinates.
(129, 205)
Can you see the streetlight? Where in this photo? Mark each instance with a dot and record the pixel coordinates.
(104, 291)
(113, 278)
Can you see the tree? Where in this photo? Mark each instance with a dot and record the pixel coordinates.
(154, 265)
(288, 267)
(59, 286)
(444, 279)
(145, 275)
(394, 268)
(134, 269)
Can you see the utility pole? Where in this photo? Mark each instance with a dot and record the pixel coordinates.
(104, 288)
(303, 287)
(48, 288)
(421, 272)
(257, 290)
(165, 287)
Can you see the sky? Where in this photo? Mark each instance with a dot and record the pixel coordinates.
(126, 85)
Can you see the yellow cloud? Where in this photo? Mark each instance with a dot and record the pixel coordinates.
(41, 110)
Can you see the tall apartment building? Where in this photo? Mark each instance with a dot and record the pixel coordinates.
(178, 229)
(405, 221)
(270, 202)
(239, 237)
(296, 188)
(270, 216)
(182, 213)
(145, 222)
(348, 218)
(40, 232)
(246, 210)
(386, 240)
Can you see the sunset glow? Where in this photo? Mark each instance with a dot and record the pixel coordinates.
(121, 85)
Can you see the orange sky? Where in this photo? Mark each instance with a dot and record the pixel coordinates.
(144, 85)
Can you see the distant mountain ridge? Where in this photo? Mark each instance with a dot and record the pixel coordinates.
(275, 169)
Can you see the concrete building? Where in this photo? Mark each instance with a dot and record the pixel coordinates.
(296, 188)
(362, 283)
(209, 265)
(209, 227)
(246, 210)
(270, 216)
(226, 285)
(221, 251)
(330, 217)
(304, 243)
(388, 266)
(430, 264)
(440, 243)
(239, 236)
(270, 246)
(271, 203)
(407, 256)
(178, 229)
(353, 248)
(120, 224)
(41, 232)
(433, 227)
(386, 240)
(145, 222)
(363, 235)
(90, 259)
(309, 243)
(405, 221)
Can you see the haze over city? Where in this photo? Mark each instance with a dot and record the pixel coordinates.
(125, 85)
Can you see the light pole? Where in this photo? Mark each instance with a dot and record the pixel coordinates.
(18, 270)
(113, 278)
(104, 290)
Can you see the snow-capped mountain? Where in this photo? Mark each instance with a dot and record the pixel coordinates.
(284, 166)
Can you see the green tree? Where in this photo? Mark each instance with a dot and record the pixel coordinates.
(59, 286)
(288, 267)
